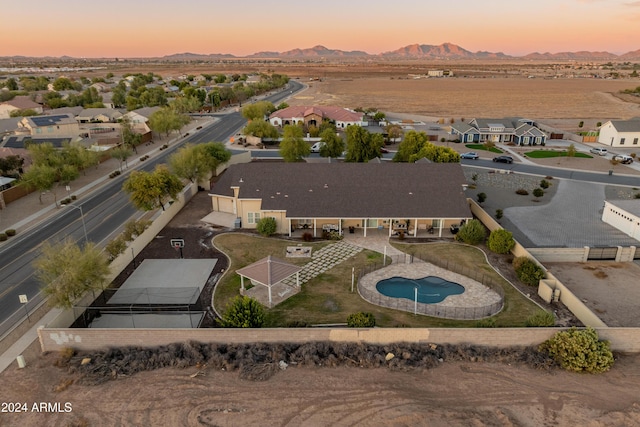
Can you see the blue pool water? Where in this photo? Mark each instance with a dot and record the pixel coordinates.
(431, 289)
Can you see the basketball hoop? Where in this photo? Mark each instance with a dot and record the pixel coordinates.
(178, 244)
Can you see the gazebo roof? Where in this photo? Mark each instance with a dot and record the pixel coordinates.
(269, 270)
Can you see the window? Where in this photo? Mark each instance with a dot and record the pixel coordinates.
(253, 217)
(621, 141)
(635, 141)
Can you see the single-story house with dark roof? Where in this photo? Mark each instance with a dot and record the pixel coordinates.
(413, 198)
(620, 133)
(518, 131)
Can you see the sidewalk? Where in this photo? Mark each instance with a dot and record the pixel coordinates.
(28, 212)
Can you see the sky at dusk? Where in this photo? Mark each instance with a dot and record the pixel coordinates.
(144, 28)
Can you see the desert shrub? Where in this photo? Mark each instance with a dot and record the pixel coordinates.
(636, 196)
(489, 322)
(244, 312)
(10, 232)
(334, 235)
(115, 247)
(548, 177)
(64, 356)
(133, 229)
(579, 351)
(472, 232)
(499, 214)
(544, 184)
(361, 320)
(633, 155)
(267, 226)
(474, 177)
(481, 197)
(3, 237)
(538, 192)
(74, 197)
(501, 241)
(541, 319)
(307, 237)
(522, 192)
(528, 271)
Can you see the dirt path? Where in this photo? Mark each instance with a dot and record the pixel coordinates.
(453, 394)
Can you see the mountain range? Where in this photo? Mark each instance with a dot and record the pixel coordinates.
(445, 51)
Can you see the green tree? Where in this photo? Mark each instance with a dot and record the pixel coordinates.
(501, 241)
(267, 226)
(67, 271)
(571, 150)
(198, 162)
(166, 120)
(27, 112)
(362, 145)
(411, 145)
(333, 144)
(260, 129)
(40, 178)
(11, 164)
(472, 232)
(579, 351)
(436, 154)
(282, 106)
(11, 84)
(130, 138)
(122, 153)
(244, 312)
(150, 190)
(63, 83)
(185, 104)
(119, 96)
(258, 110)
(393, 131)
(292, 147)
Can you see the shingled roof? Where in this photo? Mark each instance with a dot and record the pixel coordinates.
(351, 190)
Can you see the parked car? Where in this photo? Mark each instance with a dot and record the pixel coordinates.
(470, 155)
(623, 158)
(315, 148)
(599, 151)
(503, 159)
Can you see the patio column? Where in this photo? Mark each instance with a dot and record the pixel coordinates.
(298, 279)
(390, 226)
(415, 227)
(314, 227)
(440, 223)
(241, 284)
(269, 288)
(289, 227)
(364, 226)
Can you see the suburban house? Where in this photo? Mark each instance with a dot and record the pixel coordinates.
(62, 125)
(342, 117)
(620, 133)
(410, 198)
(102, 115)
(518, 131)
(623, 215)
(141, 115)
(16, 104)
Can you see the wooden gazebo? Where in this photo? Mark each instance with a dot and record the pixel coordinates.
(268, 272)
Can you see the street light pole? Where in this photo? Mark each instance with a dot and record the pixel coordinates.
(84, 226)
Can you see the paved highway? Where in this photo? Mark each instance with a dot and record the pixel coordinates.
(105, 212)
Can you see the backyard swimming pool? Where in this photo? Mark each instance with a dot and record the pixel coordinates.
(431, 289)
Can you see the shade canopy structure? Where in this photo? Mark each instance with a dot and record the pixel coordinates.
(268, 272)
(165, 282)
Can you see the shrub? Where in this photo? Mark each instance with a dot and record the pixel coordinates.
(528, 271)
(538, 192)
(115, 247)
(74, 197)
(267, 226)
(481, 197)
(133, 229)
(501, 241)
(10, 232)
(307, 237)
(472, 233)
(633, 155)
(361, 320)
(548, 177)
(522, 192)
(474, 177)
(544, 184)
(499, 214)
(579, 351)
(542, 318)
(244, 312)
(489, 322)
(636, 196)
(3, 237)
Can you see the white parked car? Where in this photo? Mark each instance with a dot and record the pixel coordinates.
(624, 159)
(599, 151)
(315, 148)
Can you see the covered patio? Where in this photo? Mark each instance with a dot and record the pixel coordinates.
(267, 276)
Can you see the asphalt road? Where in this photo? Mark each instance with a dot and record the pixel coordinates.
(105, 213)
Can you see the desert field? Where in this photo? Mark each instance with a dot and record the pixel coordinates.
(549, 100)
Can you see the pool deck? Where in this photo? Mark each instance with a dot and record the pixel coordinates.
(475, 294)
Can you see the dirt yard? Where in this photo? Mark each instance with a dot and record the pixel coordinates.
(457, 98)
(452, 394)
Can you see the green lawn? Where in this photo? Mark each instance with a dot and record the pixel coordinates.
(328, 297)
(547, 154)
(483, 147)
